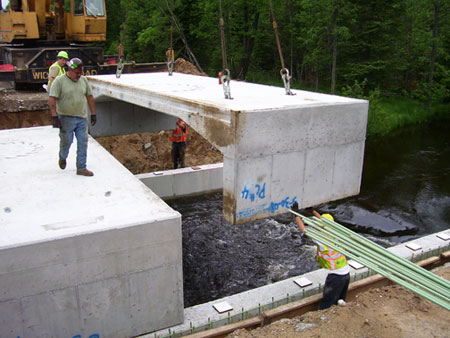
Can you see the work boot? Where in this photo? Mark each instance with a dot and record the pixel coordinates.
(85, 172)
(62, 164)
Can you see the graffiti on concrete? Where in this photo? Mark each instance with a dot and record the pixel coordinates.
(256, 193)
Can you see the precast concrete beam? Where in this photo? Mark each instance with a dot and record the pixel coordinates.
(277, 148)
(82, 256)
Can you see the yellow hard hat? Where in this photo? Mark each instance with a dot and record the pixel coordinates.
(63, 54)
(328, 216)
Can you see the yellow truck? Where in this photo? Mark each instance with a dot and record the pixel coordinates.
(32, 32)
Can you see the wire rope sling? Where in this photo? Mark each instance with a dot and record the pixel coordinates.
(224, 75)
(170, 54)
(284, 72)
(120, 47)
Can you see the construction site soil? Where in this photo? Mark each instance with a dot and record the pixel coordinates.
(385, 312)
(391, 311)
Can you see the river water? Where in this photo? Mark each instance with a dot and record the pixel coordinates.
(405, 194)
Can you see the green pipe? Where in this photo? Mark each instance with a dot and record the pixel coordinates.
(399, 272)
(437, 300)
(376, 254)
(377, 248)
(389, 254)
(345, 244)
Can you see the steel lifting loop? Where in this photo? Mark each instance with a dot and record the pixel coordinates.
(286, 80)
(170, 65)
(170, 62)
(119, 68)
(225, 78)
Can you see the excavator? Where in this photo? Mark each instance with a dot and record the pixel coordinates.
(32, 32)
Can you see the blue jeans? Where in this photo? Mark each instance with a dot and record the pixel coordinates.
(73, 125)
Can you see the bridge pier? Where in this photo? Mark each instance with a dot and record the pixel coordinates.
(277, 148)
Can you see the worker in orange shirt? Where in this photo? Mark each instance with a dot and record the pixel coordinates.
(178, 138)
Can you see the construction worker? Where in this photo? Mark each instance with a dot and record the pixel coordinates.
(67, 103)
(57, 68)
(178, 139)
(338, 278)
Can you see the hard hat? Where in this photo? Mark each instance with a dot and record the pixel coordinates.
(328, 216)
(75, 63)
(63, 54)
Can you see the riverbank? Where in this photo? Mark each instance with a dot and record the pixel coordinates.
(387, 115)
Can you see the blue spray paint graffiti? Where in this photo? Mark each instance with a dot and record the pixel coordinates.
(95, 335)
(258, 192)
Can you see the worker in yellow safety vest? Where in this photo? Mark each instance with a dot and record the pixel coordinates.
(178, 138)
(338, 278)
(57, 68)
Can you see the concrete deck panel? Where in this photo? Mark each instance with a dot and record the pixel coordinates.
(184, 182)
(82, 255)
(277, 148)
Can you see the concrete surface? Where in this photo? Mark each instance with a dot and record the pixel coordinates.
(82, 255)
(183, 182)
(251, 303)
(277, 148)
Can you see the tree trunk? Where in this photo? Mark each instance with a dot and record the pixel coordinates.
(249, 43)
(433, 52)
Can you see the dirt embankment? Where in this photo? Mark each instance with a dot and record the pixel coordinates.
(149, 152)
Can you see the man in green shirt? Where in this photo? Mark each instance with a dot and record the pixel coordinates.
(67, 102)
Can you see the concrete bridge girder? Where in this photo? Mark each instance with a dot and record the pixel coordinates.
(277, 148)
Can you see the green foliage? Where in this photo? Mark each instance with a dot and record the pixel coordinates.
(384, 48)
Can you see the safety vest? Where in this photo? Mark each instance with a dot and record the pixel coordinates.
(61, 69)
(330, 259)
(179, 135)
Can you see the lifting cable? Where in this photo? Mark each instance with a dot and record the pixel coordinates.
(170, 52)
(376, 258)
(122, 45)
(284, 72)
(224, 75)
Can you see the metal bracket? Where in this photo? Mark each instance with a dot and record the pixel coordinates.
(119, 68)
(225, 78)
(170, 65)
(286, 80)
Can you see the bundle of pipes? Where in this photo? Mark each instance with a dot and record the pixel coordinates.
(378, 259)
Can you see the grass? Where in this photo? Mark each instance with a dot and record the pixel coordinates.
(389, 114)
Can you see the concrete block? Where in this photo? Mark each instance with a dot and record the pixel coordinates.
(288, 170)
(105, 307)
(66, 252)
(254, 184)
(260, 123)
(11, 326)
(51, 314)
(318, 175)
(153, 305)
(162, 185)
(185, 181)
(347, 170)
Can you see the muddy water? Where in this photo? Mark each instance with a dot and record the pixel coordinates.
(405, 194)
